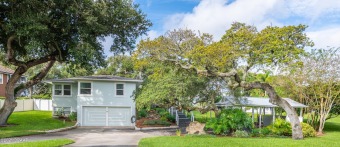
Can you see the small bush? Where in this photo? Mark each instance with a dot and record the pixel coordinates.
(163, 113)
(228, 121)
(163, 118)
(308, 131)
(260, 132)
(73, 116)
(178, 132)
(156, 122)
(160, 110)
(171, 118)
(142, 113)
(280, 127)
(241, 134)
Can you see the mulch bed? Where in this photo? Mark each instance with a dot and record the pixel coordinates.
(139, 123)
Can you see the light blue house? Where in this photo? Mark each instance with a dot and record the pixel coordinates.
(97, 100)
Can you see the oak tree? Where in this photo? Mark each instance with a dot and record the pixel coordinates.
(34, 32)
(243, 48)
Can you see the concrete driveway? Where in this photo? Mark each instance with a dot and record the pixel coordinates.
(97, 136)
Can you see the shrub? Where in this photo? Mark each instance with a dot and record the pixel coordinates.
(228, 121)
(171, 118)
(178, 132)
(73, 116)
(156, 122)
(241, 134)
(260, 132)
(163, 113)
(142, 113)
(160, 110)
(308, 131)
(163, 118)
(280, 127)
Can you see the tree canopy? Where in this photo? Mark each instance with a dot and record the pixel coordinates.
(243, 48)
(36, 32)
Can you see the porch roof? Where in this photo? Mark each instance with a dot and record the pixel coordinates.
(255, 102)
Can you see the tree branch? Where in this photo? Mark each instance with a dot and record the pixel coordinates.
(10, 52)
(36, 79)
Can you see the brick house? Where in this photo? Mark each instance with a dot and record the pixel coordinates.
(5, 74)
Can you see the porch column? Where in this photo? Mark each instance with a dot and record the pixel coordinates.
(252, 114)
(260, 120)
(273, 112)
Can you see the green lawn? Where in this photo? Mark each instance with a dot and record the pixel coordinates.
(331, 138)
(203, 117)
(43, 143)
(31, 122)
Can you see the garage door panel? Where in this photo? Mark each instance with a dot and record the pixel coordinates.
(119, 116)
(106, 116)
(94, 116)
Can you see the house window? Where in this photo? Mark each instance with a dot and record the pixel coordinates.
(85, 88)
(119, 89)
(1, 78)
(60, 89)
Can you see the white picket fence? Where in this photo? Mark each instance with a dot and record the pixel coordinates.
(31, 104)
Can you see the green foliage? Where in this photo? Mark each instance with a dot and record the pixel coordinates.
(167, 87)
(119, 65)
(142, 113)
(171, 118)
(228, 121)
(73, 116)
(280, 127)
(260, 132)
(308, 131)
(156, 122)
(178, 132)
(241, 134)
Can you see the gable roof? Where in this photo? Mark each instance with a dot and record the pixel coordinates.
(256, 102)
(96, 78)
(6, 70)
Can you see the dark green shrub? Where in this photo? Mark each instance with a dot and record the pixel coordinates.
(260, 132)
(171, 118)
(228, 121)
(241, 134)
(280, 127)
(308, 131)
(264, 132)
(163, 113)
(156, 122)
(160, 110)
(142, 113)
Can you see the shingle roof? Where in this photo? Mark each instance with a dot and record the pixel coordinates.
(256, 102)
(4, 69)
(97, 78)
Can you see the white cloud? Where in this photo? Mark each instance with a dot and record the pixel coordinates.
(216, 16)
(325, 38)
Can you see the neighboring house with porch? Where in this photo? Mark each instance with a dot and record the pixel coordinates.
(265, 110)
(5, 75)
(97, 100)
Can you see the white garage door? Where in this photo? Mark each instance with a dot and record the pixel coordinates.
(106, 116)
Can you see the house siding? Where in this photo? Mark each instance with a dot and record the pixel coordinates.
(103, 94)
(66, 101)
(3, 85)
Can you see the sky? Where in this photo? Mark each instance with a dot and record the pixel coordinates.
(215, 16)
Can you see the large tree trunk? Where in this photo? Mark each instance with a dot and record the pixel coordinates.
(275, 99)
(10, 103)
(12, 92)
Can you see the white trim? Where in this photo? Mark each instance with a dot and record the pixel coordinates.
(93, 79)
(115, 90)
(62, 90)
(2, 78)
(79, 82)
